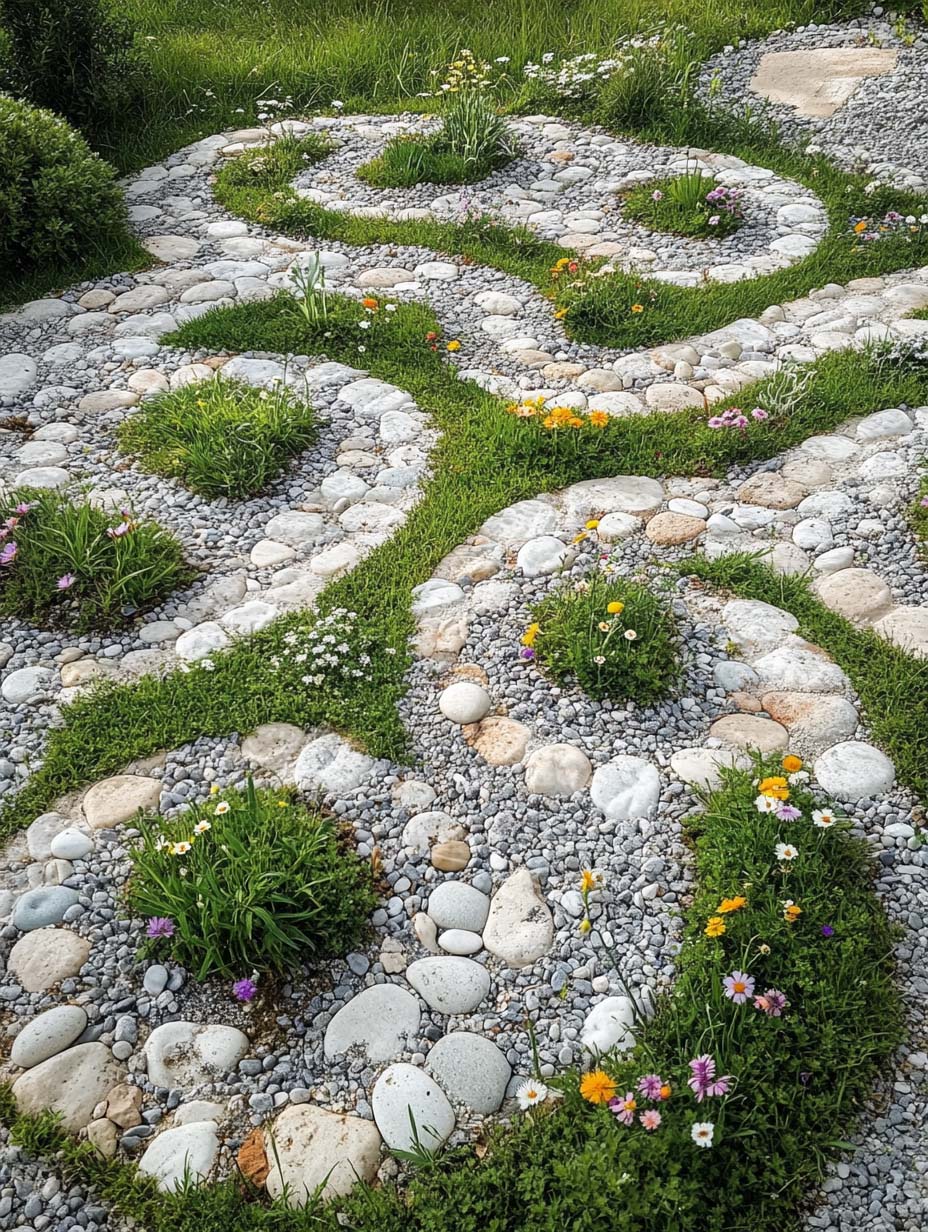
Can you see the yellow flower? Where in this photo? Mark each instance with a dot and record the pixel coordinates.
(528, 637)
(775, 787)
(575, 422)
(763, 948)
(731, 904)
(281, 803)
(591, 524)
(454, 345)
(637, 308)
(860, 226)
(791, 911)
(579, 538)
(588, 881)
(615, 608)
(369, 302)
(597, 1087)
(791, 763)
(715, 927)
(584, 926)
(560, 314)
(214, 790)
(665, 1091)
(598, 419)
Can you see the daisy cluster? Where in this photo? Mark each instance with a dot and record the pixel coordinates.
(330, 654)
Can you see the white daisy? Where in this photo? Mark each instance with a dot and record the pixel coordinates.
(785, 851)
(531, 1093)
(765, 804)
(702, 1133)
(823, 818)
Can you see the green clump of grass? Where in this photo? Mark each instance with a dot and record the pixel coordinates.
(918, 511)
(250, 881)
(682, 207)
(276, 163)
(613, 637)
(82, 566)
(220, 437)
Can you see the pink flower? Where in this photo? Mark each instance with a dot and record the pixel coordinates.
(117, 532)
(759, 414)
(924, 502)
(739, 986)
(788, 812)
(704, 1082)
(8, 554)
(772, 1003)
(650, 1086)
(650, 1119)
(657, 195)
(624, 1109)
(66, 581)
(714, 220)
(23, 507)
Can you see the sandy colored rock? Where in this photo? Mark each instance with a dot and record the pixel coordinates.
(907, 628)
(450, 857)
(71, 1083)
(310, 1147)
(772, 491)
(818, 82)
(750, 731)
(46, 956)
(123, 1104)
(669, 529)
(520, 927)
(498, 740)
(858, 595)
(118, 799)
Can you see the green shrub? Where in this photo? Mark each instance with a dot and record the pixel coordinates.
(57, 199)
(615, 638)
(85, 566)
(75, 57)
(221, 438)
(251, 880)
(688, 204)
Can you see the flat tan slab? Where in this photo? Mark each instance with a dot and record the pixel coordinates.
(818, 83)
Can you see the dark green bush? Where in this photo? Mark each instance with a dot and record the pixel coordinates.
(57, 199)
(250, 881)
(75, 57)
(84, 565)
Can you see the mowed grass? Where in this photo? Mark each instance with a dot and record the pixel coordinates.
(213, 60)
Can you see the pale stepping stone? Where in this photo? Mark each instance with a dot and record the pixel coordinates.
(379, 1022)
(819, 81)
(403, 1092)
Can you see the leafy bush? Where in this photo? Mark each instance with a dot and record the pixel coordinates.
(687, 205)
(251, 880)
(75, 57)
(222, 438)
(85, 566)
(615, 638)
(57, 198)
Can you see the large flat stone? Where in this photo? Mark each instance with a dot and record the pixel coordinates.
(404, 1094)
(43, 958)
(71, 1083)
(520, 928)
(471, 1070)
(380, 1022)
(310, 1149)
(819, 81)
(119, 799)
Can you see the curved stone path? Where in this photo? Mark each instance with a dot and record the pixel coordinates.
(522, 785)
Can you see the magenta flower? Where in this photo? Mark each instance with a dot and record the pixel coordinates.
(924, 502)
(650, 1086)
(772, 1003)
(159, 926)
(624, 1109)
(739, 986)
(714, 220)
(8, 554)
(703, 1081)
(650, 1119)
(657, 195)
(244, 990)
(66, 581)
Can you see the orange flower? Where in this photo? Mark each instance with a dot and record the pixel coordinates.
(598, 419)
(731, 904)
(588, 881)
(791, 763)
(775, 787)
(637, 308)
(597, 1087)
(665, 1091)
(369, 303)
(791, 911)
(860, 226)
(575, 422)
(715, 927)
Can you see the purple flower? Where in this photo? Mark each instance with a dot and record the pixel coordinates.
(159, 926)
(244, 990)
(827, 930)
(759, 414)
(527, 653)
(650, 1086)
(66, 581)
(704, 1082)
(23, 507)
(924, 502)
(8, 554)
(788, 812)
(714, 220)
(657, 195)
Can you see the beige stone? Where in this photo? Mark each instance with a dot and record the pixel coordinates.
(750, 731)
(819, 81)
(671, 396)
(907, 628)
(308, 1147)
(44, 957)
(477, 562)
(858, 595)
(450, 856)
(498, 740)
(71, 1084)
(809, 472)
(441, 637)
(274, 747)
(103, 1135)
(668, 529)
(815, 721)
(118, 799)
(771, 490)
(123, 1104)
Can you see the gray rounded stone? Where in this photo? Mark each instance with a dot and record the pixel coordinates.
(450, 985)
(455, 904)
(403, 1092)
(42, 907)
(471, 1070)
(47, 1035)
(380, 1021)
(853, 771)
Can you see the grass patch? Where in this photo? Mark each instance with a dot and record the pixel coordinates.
(613, 637)
(407, 161)
(690, 205)
(481, 464)
(918, 511)
(220, 438)
(82, 566)
(892, 685)
(797, 1079)
(251, 880)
